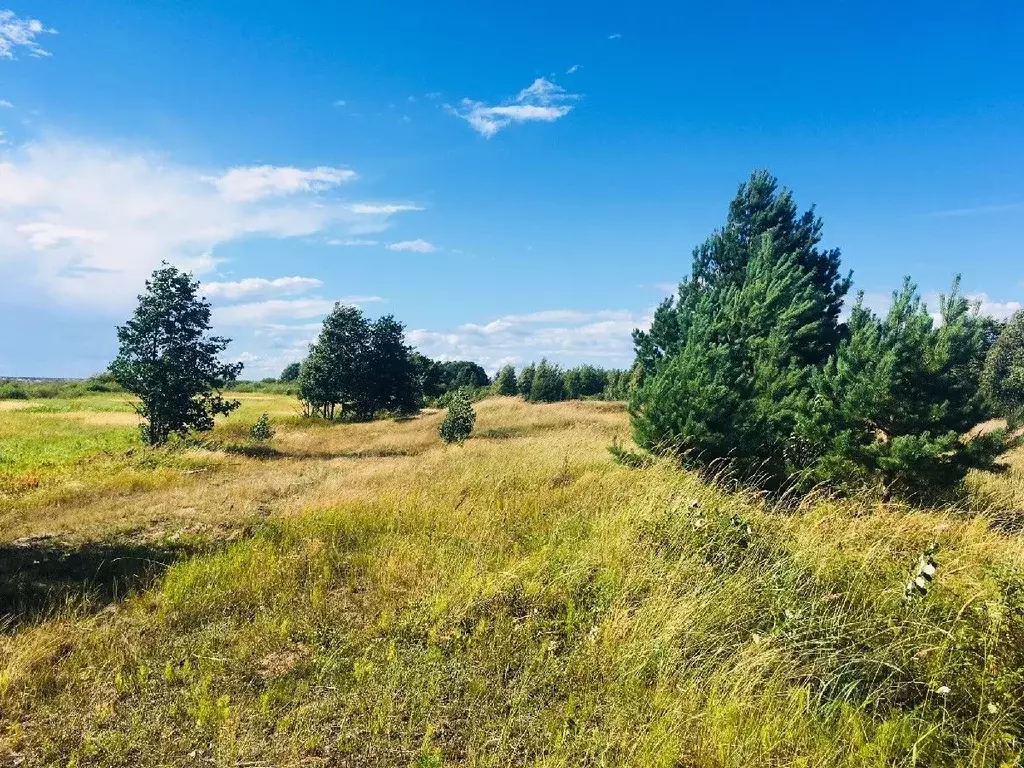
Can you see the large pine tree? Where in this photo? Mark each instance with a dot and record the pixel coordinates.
(759, 208)
(729, 392)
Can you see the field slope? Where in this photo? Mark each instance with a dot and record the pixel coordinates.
(361, 595)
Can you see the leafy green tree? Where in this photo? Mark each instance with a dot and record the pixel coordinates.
(1003, 375)
(548, 385)
(170, 362)
(290, 373)
(334, 372)
(457, 374)
(588, 381)
(759, 209)
(364, 367)
(505, 382)
(391, 383)
(526, 380)
(458, 422)
(893, 406)
(429, 374)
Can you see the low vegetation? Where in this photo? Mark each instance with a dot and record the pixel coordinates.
(363, 596)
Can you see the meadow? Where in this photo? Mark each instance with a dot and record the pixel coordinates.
(360, 594)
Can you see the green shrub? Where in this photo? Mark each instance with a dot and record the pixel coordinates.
(458, 422)
(261, 431)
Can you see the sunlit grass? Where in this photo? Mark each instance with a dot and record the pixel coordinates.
(522, 600)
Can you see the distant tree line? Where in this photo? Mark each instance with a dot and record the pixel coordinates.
(547, 382)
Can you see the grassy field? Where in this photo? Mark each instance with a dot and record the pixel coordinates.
(361, 595)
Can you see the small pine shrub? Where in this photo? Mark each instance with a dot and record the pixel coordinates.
(261, 431)
(626, 457)
(458, 422)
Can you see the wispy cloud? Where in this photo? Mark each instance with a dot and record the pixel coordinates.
(382, 209)
(573, 69)
(83, 224)
(262, 181)
(16, 33)
(1001, 310)
(5, 104)
(350, 242)
(615, 36)
(413, 246)
(251, 286)
(541, 101)
(977, 210)
(339, 103)
(260, 312)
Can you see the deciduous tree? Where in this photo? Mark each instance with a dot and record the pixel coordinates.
(168, 360)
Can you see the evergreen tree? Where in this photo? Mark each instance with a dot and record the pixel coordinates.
(1003, 376)
(759, 209)
(168, 360)
(732, 389)
(505, 383)
(458, 422)
(893, 405)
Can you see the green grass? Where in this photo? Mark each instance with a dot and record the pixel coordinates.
(518, 601)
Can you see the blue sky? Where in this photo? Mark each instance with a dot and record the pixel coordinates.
(511, 181)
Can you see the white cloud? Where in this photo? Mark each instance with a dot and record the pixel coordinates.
(339, 103)
(880, 302)
(21, 33)
(413, 246)
(84, 224)
(351, 242)
(541, 101)
(978, 210)
(615, 36)
(5, 104)
(263, 312)
(382, 209)
(1001, 310)
(250, 286)
(561, 335)
(573, 69)
(262, 181)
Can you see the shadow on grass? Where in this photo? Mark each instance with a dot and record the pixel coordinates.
(264, 452)
(500, 433)
(39, 576)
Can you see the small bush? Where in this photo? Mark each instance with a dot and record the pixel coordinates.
(458, 422)
(261, 431)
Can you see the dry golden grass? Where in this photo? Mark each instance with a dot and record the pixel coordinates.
(363, 596)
